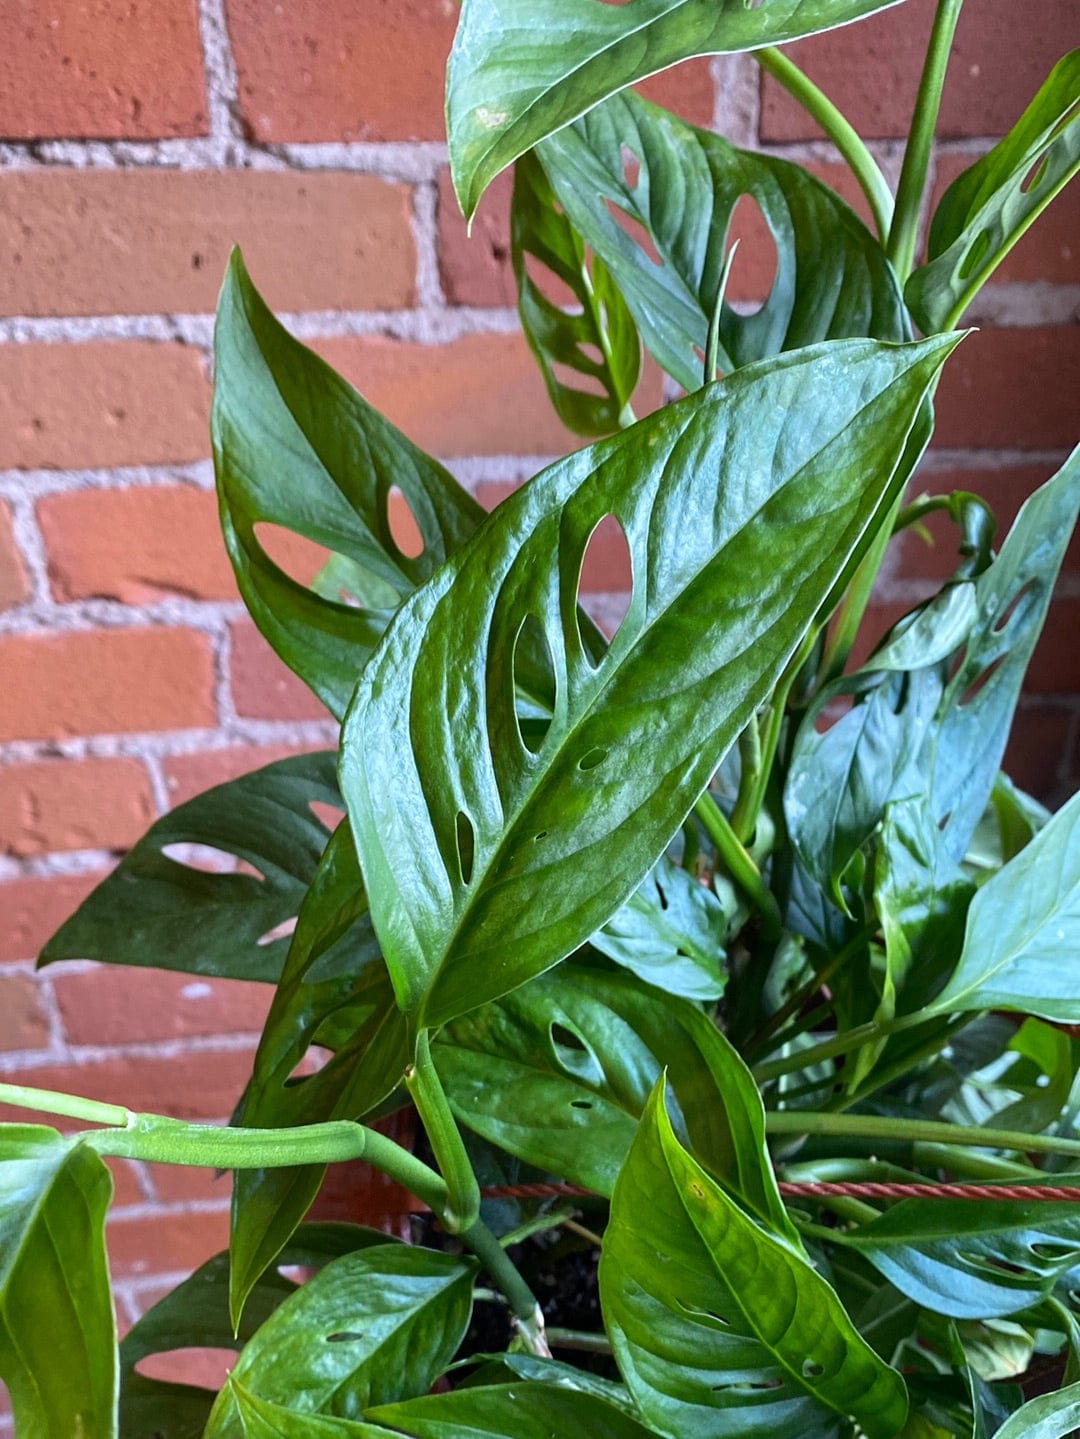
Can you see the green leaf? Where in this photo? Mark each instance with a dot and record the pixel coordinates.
(296, 447)
(940, 727)
(512, 1411)
(159, 911)
(971, 1261)
(195, 1315)
(681, 190)
(670, 932)
(521, 69)
(263, 1420)
(559, 1072)
(333, 975)
(987, 208)
(1050, 1416)
(57, 1332)
(720, 1326)
(1022, 928)
(374, 1326)
(598, 340)
(485, 862)
(566, 1376)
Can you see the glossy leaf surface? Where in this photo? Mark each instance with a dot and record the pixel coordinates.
(670, 932)
(263, 1419)
(680, 186)
(57, 1333)
(519, 71)
(333, 975)
(195, 1315)
(987, 208)
(1023, 928)
(487, 862)
(511, 1411)
(971, 1261)
(372, 1327)
(597, 340)
(1050, 1416)
(560, 1071)
(720, 1326)
(156, 910)
(297, 448)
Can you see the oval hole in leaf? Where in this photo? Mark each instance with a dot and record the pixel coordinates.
(607, 569)
(279, 931)
(593, 758)
(204, 1368)
(980, 682)
(295, 555)
(753, 271)
(203, 857)
(572, 379)
(573, 1055)
(551, 286)
(581, 1104)
(404, 531)
(533, 658)
(1010, 609)
(974, 257)
(466, 845)
(630, 225)
(328, 815)
(810, 1370)
(346, 1336)
(661, 896)
(631, 166)
(314, 1058)
(1034, 175)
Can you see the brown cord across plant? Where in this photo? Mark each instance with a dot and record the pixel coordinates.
(837, 1190)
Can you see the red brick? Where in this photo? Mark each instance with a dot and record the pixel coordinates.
(173, 1183)
(23, 1024)
(1055, 665)
(475, 268)
(1011, 388)
(1004, 490)
(871, 70)
(13, 584)
(262, 686)
(32, 910)
(73, 804)
(201, 1086)
(126, 1187)
(354, 1193)
(1036, 753)
(359, 71)
(138, 403)
(111, 69)
(164, 1243)
(687, 90)
(190, 774)
(104, 682)
(102, 242)
(118, 1005)
(1049, 251)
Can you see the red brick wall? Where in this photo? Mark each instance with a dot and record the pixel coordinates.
(138, 140)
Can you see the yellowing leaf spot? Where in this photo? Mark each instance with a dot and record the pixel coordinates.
(697, 1189)
(490, 119)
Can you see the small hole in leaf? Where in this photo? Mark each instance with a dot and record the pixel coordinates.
(593, 758)
(631, 167)
(753, 272)
(661, 896)
(979, 683)
(542, 835)
(976, 253)
(314, 1058)
(344, 1336)
(573, 1056)
(810, 1370)
(203, 857)
(404, 530)
(466, 845)
(1034, 175)
(632, 226)
(279, 931)
(533, 667)
(581, 1104)
(1052, 1250)
(552, 287)
(566, 1037)
(1010, 609)
(708, 1317)
(328, 815)
(607, 569)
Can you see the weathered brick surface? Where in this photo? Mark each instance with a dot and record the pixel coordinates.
(102, 242)
(32, 909)
(62, 804)
(263, 687)
(138, 403)
(23, 1023)
(115, 69)
(177, 1243)
(119, 1005)
(871, 70)
(1038, 750)
(187, 775)
(1011, 388)
(104, 682)
(14, 586)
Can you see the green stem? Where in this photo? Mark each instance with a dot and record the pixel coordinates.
(903, 232)
(579, 1339)
(838, 1044)
(882, 1130)
(839, 130)
(71, 1106)
(749, 772)
(979, 1166)
(527, 1315)
(740, 864)
(904, 1065)
(806, 993)
(462, 1208)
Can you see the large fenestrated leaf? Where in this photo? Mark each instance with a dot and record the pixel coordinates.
(195, 1315)
(485, 862)
(937, 728)
(333, 976)
(156, 910)
(559, 1073)
(721, 1327)
(370, 1328)
(57, 1332)
(597, 340)
(682, 186)
(297, 447)
(1023, 931)
(512, 1411)
(971, 1261)
(987, 208)
(521, 69)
